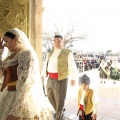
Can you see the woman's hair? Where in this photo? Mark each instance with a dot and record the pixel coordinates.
(9, 34)
(20, 36)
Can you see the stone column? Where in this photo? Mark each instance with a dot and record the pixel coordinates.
(36, 10)
(27, 16)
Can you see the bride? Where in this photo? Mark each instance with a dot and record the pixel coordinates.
(21, 96)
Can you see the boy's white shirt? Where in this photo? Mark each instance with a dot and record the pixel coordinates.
(53, 65)
(94, 101)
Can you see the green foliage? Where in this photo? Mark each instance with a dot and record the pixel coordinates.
(108, 51)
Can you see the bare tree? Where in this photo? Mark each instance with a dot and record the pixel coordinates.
(69, 36)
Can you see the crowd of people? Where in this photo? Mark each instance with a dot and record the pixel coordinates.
(109, 69)
(92, 62)
(89, 62)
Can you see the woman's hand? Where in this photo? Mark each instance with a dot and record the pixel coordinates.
(11, 117)
(1, 43)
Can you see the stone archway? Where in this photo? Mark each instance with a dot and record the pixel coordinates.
(25, 15)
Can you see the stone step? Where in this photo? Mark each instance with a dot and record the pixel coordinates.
(68, 116)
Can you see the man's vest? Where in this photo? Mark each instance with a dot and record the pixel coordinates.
(88, 105)
(62, 63)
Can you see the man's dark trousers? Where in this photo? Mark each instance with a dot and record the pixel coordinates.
(56, 91)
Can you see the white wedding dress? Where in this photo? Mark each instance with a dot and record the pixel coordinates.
(28, 101)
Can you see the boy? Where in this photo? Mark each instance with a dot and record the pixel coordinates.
(87, 102)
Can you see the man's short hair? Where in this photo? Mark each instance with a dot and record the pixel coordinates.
(58, 36)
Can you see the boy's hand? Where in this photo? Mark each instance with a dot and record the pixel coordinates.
(94, 116)
(72, 82)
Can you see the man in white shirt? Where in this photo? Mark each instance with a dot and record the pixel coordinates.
(58, 66)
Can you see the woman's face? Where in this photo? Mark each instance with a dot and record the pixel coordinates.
(84, 87)
(10, 43)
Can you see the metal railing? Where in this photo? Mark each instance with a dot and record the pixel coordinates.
(80, 65)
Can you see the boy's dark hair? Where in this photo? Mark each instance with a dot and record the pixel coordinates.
(58, 36)
(84, 79)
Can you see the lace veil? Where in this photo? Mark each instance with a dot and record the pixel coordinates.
(30, 97)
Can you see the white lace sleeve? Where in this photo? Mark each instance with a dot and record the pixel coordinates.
(3, 55)
(0, 67)
(26, 104)
(1, 71)
(1, 52)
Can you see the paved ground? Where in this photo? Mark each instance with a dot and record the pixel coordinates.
(108, 95)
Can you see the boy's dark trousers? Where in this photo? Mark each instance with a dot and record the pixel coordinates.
(86, 117)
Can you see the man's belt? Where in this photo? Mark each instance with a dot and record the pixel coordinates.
(53, 75)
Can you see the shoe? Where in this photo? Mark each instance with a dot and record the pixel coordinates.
(101, 81)
(54, 116)
(104, 82)
(63, 109)
(62, 114)
(114, 82)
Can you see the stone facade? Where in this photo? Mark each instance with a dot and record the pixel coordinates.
(25, 15)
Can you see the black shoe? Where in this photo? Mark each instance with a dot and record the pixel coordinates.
(54, 116)
(63, 109)
(62, 114)
(101, 81)
(104, 82)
